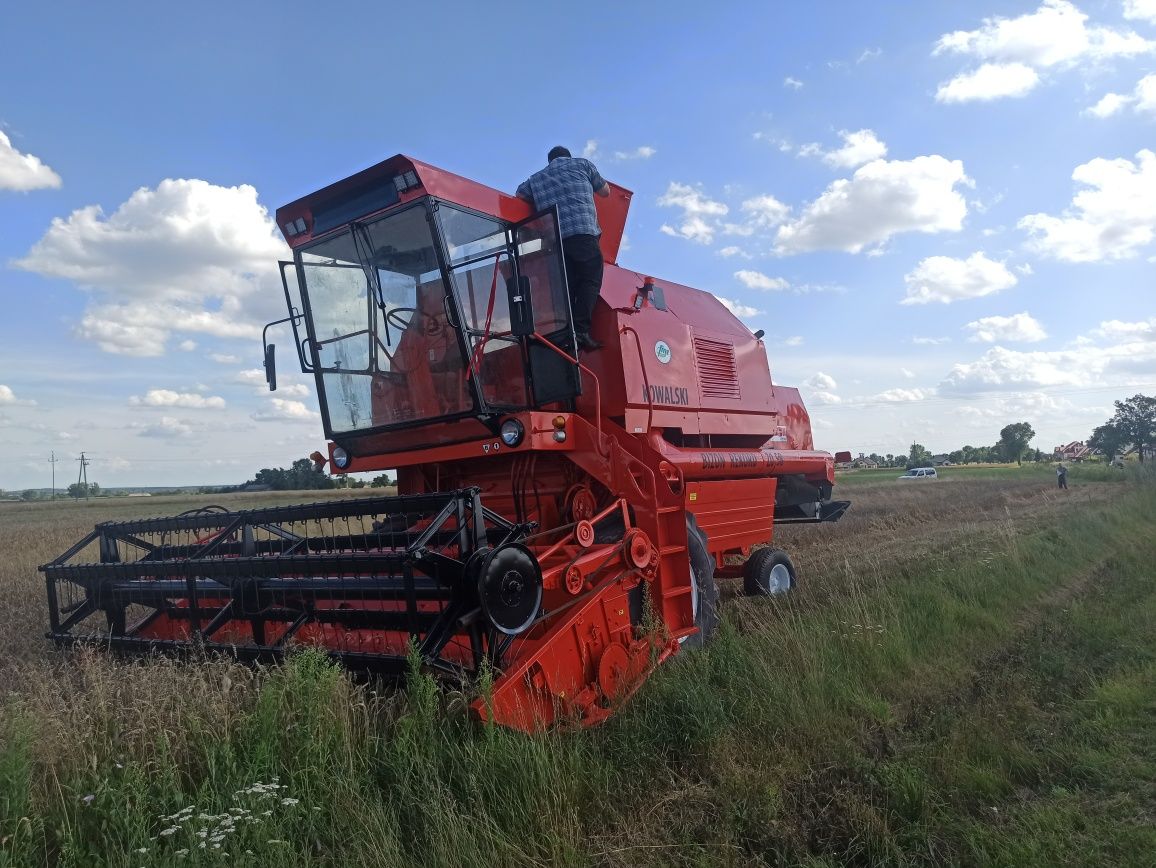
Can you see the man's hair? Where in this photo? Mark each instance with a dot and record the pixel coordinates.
(557, 152)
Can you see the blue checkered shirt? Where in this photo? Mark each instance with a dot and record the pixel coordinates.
(569, 183)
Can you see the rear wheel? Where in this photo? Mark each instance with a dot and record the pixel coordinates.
(768, 573)
(704, 590)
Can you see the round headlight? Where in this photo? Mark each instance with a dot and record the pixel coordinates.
(340, 458)
(512, 432)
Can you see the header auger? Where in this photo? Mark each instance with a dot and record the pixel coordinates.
(560, 521)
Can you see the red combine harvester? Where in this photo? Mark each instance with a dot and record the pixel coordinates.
(560, 520)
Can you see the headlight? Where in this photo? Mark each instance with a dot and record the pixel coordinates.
(340, 458)
(512, 432)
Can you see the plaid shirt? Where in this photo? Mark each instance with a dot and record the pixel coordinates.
(569, 183)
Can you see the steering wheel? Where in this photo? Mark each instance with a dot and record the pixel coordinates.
(432, 337)
(399, 323)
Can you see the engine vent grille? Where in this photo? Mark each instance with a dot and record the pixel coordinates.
(717, 375)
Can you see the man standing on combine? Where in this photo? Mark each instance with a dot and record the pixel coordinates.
(570, 184)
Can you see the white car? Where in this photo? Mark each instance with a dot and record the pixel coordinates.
(920, 473)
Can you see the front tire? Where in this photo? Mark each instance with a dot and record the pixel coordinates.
(768, 573)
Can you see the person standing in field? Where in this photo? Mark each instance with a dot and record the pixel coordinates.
(1062, 477)
(570, 183)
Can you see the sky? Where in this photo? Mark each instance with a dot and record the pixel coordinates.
(942, 214)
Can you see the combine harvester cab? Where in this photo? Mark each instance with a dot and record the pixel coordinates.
(560, 521)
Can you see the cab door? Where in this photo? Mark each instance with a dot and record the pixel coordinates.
(540, 308)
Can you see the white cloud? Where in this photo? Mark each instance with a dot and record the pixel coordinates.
(930, 342)
(168, 398)
(281, 409)
(910, 375)
(758, 280)
(739, 309)
(1116, 329)
(766, 211)
(1112, 217)
(823, 397)
(990, 81)
(251, 377)
(1021, 327)
(822, 381)
(1109, 104)
(187, 346)
(188, 256)
(883, 198)
(902, 396)
(166, 428)
(869, 54)
(1086, 365)
(792, 83)
(698, 213)
(644, 152)
(1140, 10)
(23, 172)
(1145, 94)
(294, 390)
(590, 151)
(943, 279)
(1142, 100)
(730, 251)
(1055, 34)
(859, 147)
(793, 341)
(7, 396)
(224, 358)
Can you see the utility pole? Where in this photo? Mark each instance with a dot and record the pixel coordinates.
(83, 475)
(53, 461)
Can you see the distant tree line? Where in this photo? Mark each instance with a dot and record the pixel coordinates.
(304, 475)
(1132, 427)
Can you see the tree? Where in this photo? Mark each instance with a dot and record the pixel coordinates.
(919, 456)
(1135, 420)
(381, 481)
(1110, 440)
(303, 475)
(1013, 441)
(83, 489)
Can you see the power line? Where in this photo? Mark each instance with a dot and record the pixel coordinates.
(84, 462)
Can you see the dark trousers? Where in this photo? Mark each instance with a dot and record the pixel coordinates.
(1062, 481)
(583, 276)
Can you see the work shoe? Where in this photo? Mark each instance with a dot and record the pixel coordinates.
(585, 342)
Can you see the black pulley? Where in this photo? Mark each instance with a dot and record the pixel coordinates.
(510, 588)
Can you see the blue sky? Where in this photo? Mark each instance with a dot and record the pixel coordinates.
(942, 214)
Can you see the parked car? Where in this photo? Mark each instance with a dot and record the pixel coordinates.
(920, 473)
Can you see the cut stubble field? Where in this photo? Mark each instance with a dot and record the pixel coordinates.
(965, 675)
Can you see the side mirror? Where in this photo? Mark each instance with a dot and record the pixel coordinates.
(271, 366)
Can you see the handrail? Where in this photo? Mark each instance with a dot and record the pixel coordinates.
(605, 453)
(645, 378)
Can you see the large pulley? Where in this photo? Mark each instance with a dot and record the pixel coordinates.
(510, 588)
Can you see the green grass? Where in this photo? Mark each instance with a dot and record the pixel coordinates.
(993, 703)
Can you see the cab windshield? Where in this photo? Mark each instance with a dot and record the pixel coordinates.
(393, 346)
